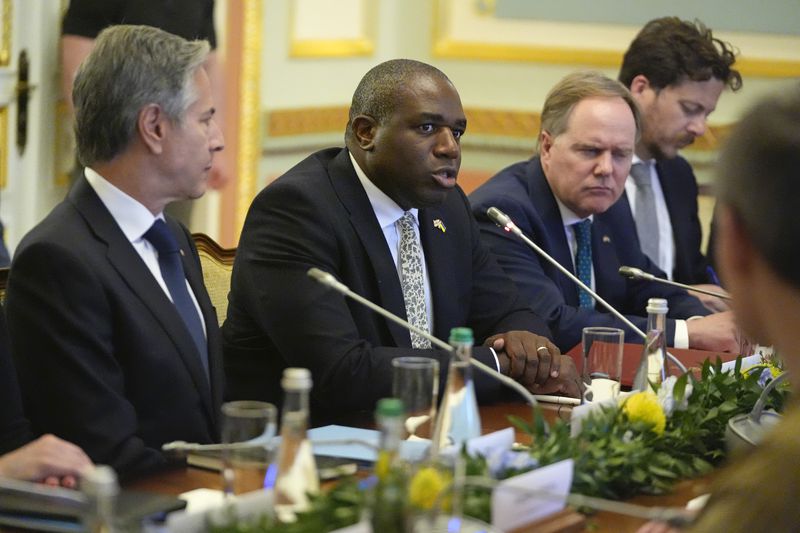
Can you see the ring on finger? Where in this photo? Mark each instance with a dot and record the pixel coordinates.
(540, 348)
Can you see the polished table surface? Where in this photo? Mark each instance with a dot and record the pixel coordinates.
(493, 418)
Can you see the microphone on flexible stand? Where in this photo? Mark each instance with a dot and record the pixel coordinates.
(329, 280)
(505, 222)
(638, 273)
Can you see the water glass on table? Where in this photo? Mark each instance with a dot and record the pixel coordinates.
(248, 426)
(415, 380)
(602, 362)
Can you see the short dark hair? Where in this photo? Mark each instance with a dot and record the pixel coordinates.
(669, 51)
(758, 177)
(129, 68)
(376, 94)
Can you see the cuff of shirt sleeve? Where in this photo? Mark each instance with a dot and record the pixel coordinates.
(496, 360)
(681, 335)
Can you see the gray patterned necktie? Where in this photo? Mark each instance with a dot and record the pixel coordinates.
(411, 279)
(646, 217)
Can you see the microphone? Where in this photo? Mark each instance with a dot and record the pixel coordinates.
(638, 273)
(327, 279)
(674, 516)
(505, 222)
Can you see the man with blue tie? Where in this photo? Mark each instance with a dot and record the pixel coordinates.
(114, 336)
(564, 199)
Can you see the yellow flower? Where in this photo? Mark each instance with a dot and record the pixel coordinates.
(383, 463)
(644, 407)
(425, 487)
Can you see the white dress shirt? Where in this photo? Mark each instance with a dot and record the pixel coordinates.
(134, 219)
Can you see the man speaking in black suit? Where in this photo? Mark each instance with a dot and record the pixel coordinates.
(676, 71)
(114, 336)
(386, 218)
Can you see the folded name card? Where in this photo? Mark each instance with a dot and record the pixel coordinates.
(529, 497)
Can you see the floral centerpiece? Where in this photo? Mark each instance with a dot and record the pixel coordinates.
(641, 445)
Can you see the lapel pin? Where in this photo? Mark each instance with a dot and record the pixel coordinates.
(182, 254)
(606, 238)
(437, 223)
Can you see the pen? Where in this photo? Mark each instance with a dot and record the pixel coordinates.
(563, 400)
(712, 275)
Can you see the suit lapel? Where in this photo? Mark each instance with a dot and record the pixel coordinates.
(362, 218)
(134, 273)
(558, 247)
(605, 261)
(439, 250)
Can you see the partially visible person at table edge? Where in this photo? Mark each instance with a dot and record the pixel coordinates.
(758, 187)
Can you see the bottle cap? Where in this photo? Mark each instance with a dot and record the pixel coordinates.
(461, 335)
(657, 306)
(296, 379)
(100, 481)
(389, 407)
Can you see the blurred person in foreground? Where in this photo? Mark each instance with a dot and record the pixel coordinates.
(676, 71)
(384, 216)
(758, 184)
(114, 337)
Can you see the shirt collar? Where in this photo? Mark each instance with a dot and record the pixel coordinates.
(568, 217)
(133, 218)
(386, 210)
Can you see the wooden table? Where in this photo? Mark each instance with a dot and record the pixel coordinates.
(493, 417)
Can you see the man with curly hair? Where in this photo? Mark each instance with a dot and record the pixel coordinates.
(676, 71)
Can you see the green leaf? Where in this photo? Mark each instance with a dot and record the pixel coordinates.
(679, 389)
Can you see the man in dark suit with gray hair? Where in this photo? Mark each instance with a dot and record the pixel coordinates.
(115, 339)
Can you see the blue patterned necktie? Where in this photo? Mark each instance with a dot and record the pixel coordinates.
(169, 261)
(583, 259)
(412, 280)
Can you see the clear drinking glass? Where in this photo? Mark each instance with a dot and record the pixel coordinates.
(415, 380)
(248, 427)
(602, 362)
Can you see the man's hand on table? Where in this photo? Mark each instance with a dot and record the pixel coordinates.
(536, 363)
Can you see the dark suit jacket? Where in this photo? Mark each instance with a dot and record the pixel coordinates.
(14, 429)
(522, 192)
(103, 357)
(680, 193)
(318, 215)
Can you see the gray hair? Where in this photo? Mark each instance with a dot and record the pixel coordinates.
(376, 94)
(573, 88)
(758, 177)
(129, 68)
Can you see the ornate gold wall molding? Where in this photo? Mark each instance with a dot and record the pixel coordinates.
(249, 118)
(475, 34)
(3, 142)
(322, 44)
(5, 38)
(480, 121)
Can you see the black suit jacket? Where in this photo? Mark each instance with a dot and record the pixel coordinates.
(680, 194)
(318, 215)
(103, 357)
(14, 429)
(522, 192)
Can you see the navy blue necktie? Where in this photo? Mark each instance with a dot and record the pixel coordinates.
(169, 261)
(583, 259)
